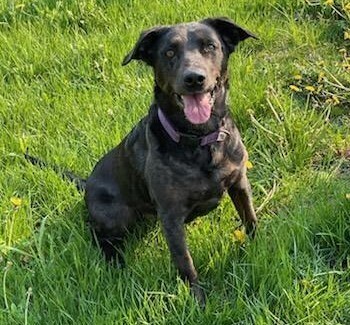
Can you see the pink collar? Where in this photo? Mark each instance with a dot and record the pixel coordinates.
(217, 136)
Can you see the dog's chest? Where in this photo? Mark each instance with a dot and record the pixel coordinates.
(214, 177)
(207, 184)
(197, 178)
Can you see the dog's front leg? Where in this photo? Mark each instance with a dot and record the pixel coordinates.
(241, 197)
(173, 227)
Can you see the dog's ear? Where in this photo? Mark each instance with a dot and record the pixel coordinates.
(230, 33)
(146, 46)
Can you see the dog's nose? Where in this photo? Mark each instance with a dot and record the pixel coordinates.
(194, 80)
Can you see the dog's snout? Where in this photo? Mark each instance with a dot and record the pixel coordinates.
(194, 80)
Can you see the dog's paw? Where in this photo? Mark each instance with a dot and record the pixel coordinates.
(251, 229)
(199, 294)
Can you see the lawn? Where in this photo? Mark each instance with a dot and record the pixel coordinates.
(66, 97)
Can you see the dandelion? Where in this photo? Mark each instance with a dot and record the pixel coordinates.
(329, 2)
(347, 7)
(294, 88)
(310, 88)
(347, 34)
(335, 100)
(320, 76)
(298, 77)
(239, 236)
(347, 196)
(249, 164)
(16, 201)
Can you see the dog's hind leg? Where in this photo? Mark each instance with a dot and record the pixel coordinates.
(241, 197)
(111, 220)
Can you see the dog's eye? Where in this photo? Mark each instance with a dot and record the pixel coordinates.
(210, 47)
(170, 53)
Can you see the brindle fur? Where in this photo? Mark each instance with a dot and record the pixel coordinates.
(148, 173)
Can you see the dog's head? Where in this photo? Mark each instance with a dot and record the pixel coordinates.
(190, 61)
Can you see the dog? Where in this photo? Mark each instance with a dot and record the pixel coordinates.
(178, 161)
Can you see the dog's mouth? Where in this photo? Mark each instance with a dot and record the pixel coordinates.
(197, 106)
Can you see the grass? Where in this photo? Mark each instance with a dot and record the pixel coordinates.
(65, 96)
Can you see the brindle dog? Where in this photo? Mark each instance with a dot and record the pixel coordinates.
(179, 160)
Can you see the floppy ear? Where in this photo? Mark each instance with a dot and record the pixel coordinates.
(146, 46)
(230, 33)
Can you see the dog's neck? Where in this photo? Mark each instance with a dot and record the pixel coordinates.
(176, 116)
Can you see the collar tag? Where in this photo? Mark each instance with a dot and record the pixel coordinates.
(221, 136)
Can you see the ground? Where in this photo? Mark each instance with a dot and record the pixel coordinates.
(66, 97)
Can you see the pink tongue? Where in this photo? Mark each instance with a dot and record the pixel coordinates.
(197, 108)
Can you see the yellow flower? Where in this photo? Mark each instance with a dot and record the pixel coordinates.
(249, 164)
(329, 101)
(347, 34)
(320, 76)
(347, 7)
(294, 88)
(335, 99)
(310, 88)
(239, 236)
(298, 77)
(347, 195)
(329, 2)
(16, 201)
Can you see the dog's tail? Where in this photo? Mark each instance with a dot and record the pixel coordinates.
(79, 182)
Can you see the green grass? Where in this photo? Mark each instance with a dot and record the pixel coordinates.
(65, 96)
